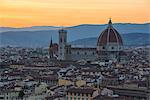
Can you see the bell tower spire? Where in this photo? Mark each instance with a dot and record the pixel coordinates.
(51, 49)
(51, 43)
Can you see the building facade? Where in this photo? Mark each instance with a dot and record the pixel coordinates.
(81, 94)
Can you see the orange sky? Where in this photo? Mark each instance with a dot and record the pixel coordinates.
(24, 13)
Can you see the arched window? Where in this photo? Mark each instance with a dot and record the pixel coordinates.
(93, 53)
(61, 40)
(64, 39)
(67, 51)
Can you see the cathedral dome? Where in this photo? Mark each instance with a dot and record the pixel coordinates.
(109, 36)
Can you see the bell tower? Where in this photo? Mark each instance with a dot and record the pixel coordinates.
(62, 44)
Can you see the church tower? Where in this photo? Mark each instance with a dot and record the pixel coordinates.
(51, 55)
(62, 44)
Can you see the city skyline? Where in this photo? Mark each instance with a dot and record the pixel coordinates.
(74, 50)
(26, 13)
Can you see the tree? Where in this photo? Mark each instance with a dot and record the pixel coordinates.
(21, 94)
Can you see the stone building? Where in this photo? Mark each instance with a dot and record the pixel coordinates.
(109, 47)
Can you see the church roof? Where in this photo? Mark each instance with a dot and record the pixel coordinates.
(109, 35)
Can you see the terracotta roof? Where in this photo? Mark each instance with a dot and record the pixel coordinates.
(122, 53)
(128, 89)
(91, 70)
(80, 48)
(52, 77)
(109, 35)
(81, 90)
(101, 97)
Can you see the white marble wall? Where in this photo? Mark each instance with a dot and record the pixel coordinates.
(87, 54)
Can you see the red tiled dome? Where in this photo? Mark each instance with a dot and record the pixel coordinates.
(109, 35)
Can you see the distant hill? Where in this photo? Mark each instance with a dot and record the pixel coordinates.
(39, 36)
(27, 38)
(130, 39)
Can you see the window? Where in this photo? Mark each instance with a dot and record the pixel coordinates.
(85, 53)
(61, 40)
(64, 39)
(93, 53)
(112, 47)
(103, 47)
(67, 51)
(82, 94)
(78, 94)
(78, 53)
(66, 98)
(87, 95)
(91, 94)
(1, 97)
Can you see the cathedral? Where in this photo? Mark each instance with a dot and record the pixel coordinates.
(109, 47)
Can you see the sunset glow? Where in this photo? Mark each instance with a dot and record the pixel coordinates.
(24, 13)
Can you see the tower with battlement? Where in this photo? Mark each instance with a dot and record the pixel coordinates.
(62, 44)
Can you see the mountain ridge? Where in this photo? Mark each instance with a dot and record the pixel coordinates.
(130, 39)
(5, 29)
(37, 37)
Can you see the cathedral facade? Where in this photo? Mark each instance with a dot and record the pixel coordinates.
(109, 47)
(67, 52)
